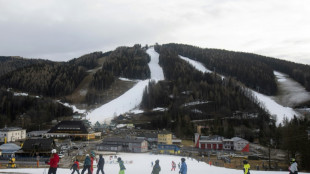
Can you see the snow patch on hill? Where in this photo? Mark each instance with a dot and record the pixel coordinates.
(131, 99)
(266, 101)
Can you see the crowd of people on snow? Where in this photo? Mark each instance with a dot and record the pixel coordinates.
(88, 165)
(89, 159)
(183, 168)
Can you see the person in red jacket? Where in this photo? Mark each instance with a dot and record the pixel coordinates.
(75, 167)
(54, 160)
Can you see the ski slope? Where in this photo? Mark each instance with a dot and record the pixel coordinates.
(132, 98)
(267, 102)
(140, 163)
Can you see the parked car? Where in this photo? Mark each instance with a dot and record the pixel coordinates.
(74, 147)
(61, 155)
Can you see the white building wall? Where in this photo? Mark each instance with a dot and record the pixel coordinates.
(239, 145)
(13, 135)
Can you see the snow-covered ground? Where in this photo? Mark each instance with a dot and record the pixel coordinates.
(291, 92)
(141, 164)
(131, 99)
(199, 66)
(156, 71)
(124, 103)
(268, 102)
(274, 108)
(74, 108)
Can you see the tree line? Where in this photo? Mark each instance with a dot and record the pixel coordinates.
(242, 66)
(184, 84)
(51, 78)
(9, 64)
(128, 62)
(29, 112)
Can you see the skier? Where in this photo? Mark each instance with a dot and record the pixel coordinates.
(75, 167)
(87, 163)
(183, 169)
(152, 164)
(92, 157)
(121, 166)
(246, 167)
(293, 167)
(54, 160)
(173, 165)
(100, 164)
(156, 168)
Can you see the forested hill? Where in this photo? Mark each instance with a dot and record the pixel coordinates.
(51, 78)
(8, 63)
(253, 70)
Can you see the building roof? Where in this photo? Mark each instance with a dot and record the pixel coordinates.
(37, 132)
(212, 137)
(41, 144)
(122, 140)
(9, 146)
(68, 126)
(235, 139)
(147, 135)
(164, 132)
(6, 129)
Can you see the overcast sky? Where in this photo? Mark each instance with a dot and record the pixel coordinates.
(63, 29)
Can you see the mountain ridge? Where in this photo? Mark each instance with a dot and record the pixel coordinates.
(227, 94)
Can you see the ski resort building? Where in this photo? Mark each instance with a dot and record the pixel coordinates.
(76, 130)
(12, 134)
(36, 133)
(9, 149)
(37, 146)
(164, 137)
(240, 144)
(216, 142)
(168, 149)
(123, 145)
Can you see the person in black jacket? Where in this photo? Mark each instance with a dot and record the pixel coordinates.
(100, 164)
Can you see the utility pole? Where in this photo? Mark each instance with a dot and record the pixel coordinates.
(269, 155)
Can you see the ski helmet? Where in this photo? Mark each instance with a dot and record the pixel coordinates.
(293, 160)
(54, 151)
(182, 159)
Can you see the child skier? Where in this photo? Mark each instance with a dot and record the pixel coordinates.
(121, 166)
(75, 167)
(173, 165)
(156, 168)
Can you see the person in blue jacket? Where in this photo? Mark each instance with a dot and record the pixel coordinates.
(122, 168)
(183, 169)
(100, 164)
(87, 164)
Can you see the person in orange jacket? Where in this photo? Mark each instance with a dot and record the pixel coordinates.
(75, 167)
(92, 162)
